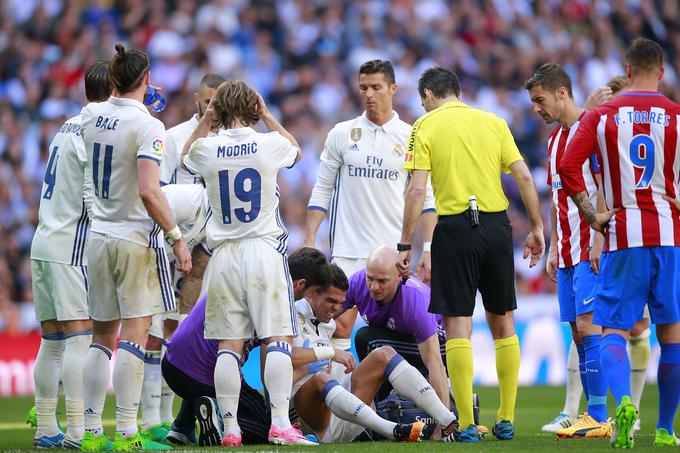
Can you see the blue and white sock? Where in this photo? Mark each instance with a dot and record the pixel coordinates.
(128, 378)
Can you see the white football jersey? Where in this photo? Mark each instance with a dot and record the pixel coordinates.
(189, 206)
(65, 199)
(239, 167)
(116, 133)
(311, 333)
(175, 139)
(361, 182)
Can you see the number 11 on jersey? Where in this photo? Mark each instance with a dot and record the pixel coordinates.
(106, 176)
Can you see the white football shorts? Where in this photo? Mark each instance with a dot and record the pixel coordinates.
(59, 291)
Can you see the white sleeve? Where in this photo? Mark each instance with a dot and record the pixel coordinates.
(171, 157)
(88, 183)
(192, 159)
(331, 161)
(428, 206)
(151, 140)
(284, 152)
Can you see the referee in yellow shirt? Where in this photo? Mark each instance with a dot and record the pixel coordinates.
(465, 150)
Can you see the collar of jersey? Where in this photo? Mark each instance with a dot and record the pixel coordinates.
(386, 127)
(131, 102)
(303, 307)
(239, 131)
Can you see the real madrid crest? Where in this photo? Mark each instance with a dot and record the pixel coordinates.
(398, 150)
(356, 134)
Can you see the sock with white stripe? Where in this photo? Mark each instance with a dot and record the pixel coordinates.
(348, 407)
(46, 377)
(128, 378)
(77, 346)
(167, 396)
(278, 378)
(408, 381)
(96, 377)
(151, 389)
(228, 388)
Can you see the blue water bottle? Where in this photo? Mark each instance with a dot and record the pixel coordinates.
(154, 99)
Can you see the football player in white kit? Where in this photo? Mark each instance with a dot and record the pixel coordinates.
(130, 277)
(249, 286)
(362, 182)
(157, 397)
(340, 411)
(59, 275)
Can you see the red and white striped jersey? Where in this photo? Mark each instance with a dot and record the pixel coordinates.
(637, 137)
(574, 235)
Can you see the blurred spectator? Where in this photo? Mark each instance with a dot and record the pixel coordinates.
(302, 55)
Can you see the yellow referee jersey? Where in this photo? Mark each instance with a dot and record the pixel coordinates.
(465, 149)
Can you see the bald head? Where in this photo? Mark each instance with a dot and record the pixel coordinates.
(382, 276)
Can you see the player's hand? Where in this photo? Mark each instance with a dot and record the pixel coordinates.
(424, 267)
(601, 222)
(183, 256)
(551, 263)
(596, 253)
(534, 246)
(210, 115)
(675, 201)
(404, 263)
(346, 359)
(262, 108)
(598, 97)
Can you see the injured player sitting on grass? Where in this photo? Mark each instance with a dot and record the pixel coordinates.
(340, 411)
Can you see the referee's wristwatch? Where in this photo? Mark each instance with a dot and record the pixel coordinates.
(401, 247)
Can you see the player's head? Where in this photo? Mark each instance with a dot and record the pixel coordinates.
(235, 104)
(206, 90)
(618, 84)
(377, 86)
(308, 268)
(129, 70)
(327, 302)
(98, 85)
(550, 91)
(382, 277)
(436, 84)
(644, 58)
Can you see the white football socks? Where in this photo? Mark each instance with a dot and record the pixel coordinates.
(151, 390)
(278, 379)
(572, 400)
(228, 388)
(408, 381)
(77, 346)
(96, 377)
(348, 407)
(128, 378)
(640, 350)
(167, 396)
(46, 377)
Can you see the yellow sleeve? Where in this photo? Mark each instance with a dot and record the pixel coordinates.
(509, 151)
(418, 153)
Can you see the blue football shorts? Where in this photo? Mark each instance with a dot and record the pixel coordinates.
(576, 290)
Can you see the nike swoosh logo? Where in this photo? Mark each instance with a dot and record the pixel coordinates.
(587, 301)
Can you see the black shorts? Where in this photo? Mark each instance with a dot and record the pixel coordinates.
(466, 259)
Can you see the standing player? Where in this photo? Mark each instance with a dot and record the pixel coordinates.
(636, 135)
(569, 255)
(249, 286)
(362, 181)
(157, 397)
(129, 272)
(59, 275)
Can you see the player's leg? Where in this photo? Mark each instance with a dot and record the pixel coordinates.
(78, 338)
(640, 351)
(170, 324)
(151, 387)
(228, 388)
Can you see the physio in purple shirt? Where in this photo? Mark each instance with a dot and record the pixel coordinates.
(397, 316)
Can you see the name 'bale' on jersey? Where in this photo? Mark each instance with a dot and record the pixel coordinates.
(239, 168)
(65, 199)
(116, 133)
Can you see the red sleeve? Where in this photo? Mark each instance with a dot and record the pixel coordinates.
(579, 149)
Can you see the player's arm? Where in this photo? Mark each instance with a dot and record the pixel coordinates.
(88, 184)
(201, 131)
(535, 242)
(598, 238)
(273, 125)
(428, 220)
(302, 356)
(413, 207)
(431, 355)
(319, 201)
(551, 262)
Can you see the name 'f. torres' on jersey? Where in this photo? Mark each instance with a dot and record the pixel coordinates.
(637, 137)
(574, 236)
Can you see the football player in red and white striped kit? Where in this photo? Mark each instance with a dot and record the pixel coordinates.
(636, 135)
(569, 255)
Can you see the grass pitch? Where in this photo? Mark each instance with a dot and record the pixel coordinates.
(535, 407)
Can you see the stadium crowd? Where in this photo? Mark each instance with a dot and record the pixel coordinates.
(302, 56)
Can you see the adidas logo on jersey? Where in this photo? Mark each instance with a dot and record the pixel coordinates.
(353, 147)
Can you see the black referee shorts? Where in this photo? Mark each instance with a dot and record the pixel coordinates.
(466, 259)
